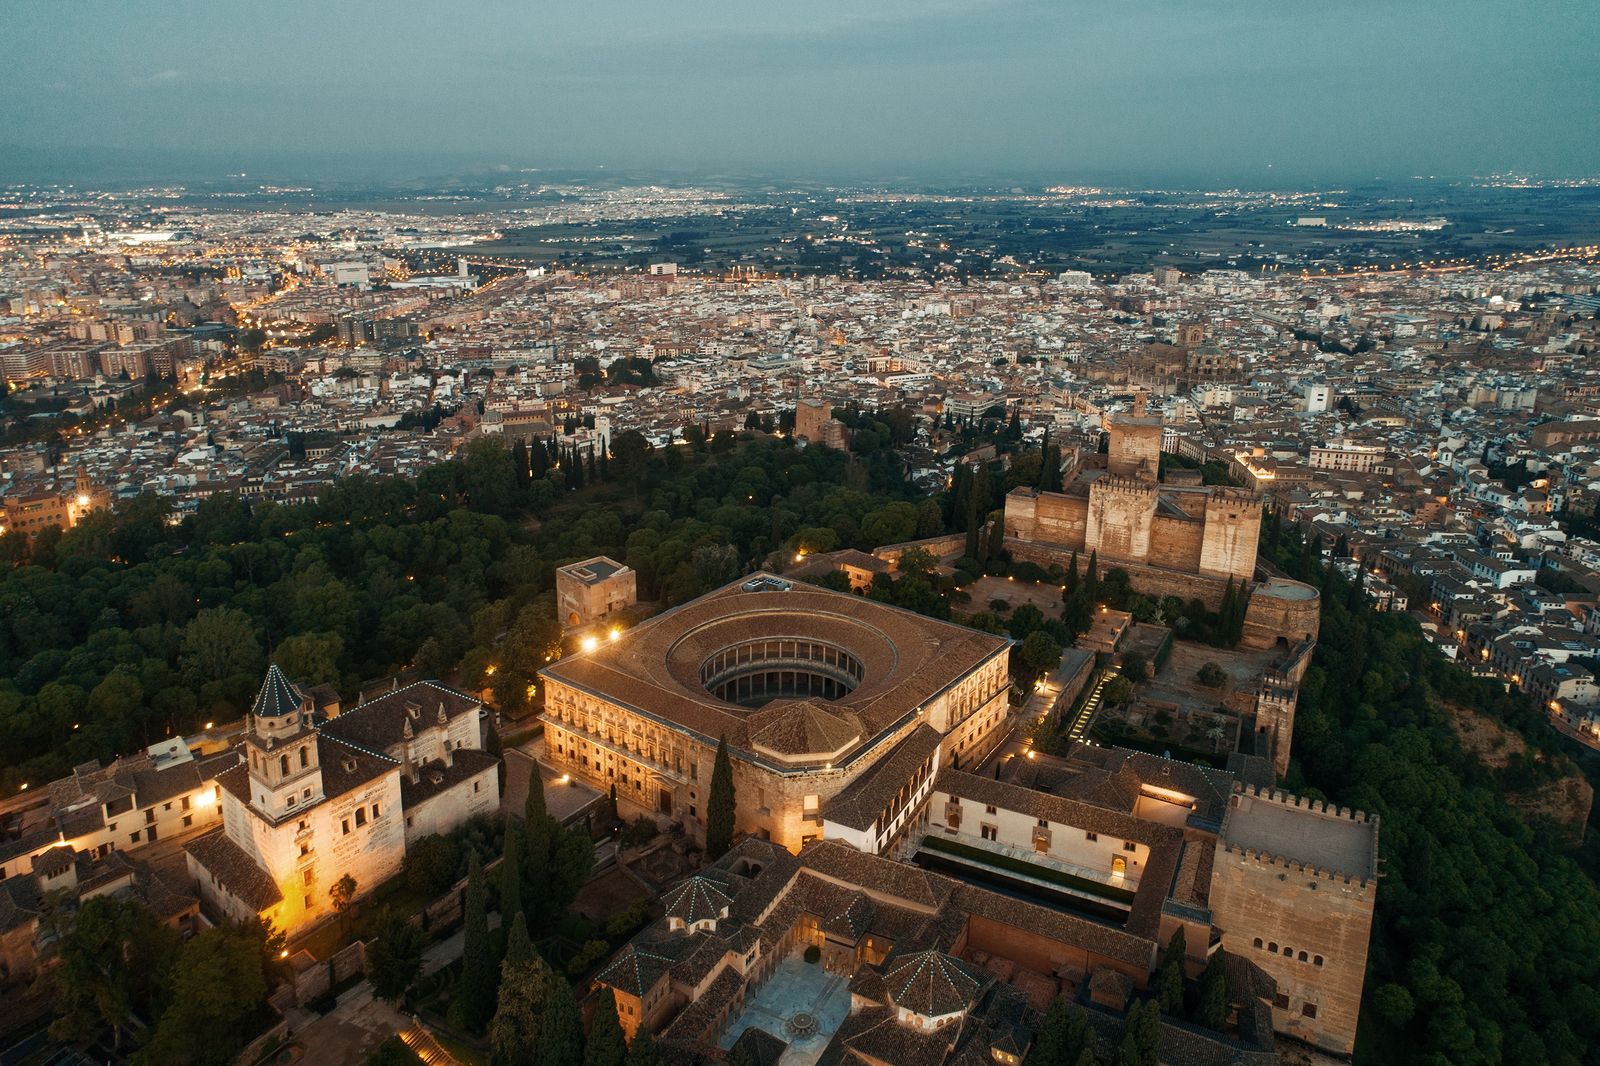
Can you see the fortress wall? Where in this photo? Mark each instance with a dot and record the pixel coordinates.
(1051, 517)
(1175, 543)
(1233, 532)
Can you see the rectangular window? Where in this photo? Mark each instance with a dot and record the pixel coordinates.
(306, 877)
(344, 823)
(1091, 836)
(134, 837)
(1309, 1010)
(1128, 845)
(188, 819)
(990, 832)
(186, 803)
(476, 785)
(150, 816)
(361, 816)
(375, 812)
(1281, 1001)
(988, 808)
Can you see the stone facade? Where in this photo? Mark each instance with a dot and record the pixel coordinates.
(593, 590)
(1294, 894)
(811, 688)
(317, 799)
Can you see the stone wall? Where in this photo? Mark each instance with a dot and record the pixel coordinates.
(1121, 514)
(1232, 534)
(949, 546)
(1175, 542)
(1284, 916)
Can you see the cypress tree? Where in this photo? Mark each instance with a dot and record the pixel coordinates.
(642, 1052)
(1091, 576)
(537, 831)
(1069, 584)
(1169, 979)
(519, 949)
(1212, 1009)
(970, 522)
(475, 995)
(511, 875)
(1044, 462)
(519, 460)
(721, 805)
(606, 1046)
(560, 1040)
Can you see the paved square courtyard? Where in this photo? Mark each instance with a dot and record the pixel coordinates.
(801, 1003)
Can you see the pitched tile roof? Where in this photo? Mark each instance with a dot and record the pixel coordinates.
(277, 696)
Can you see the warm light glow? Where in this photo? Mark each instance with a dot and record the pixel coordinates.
(1033, 754)
(210, 724)
(22, 787)
(284, 954)
(205, 799)
(488, 671)
(590, 643)
(83, 501)
(616, 631)
(563, 779)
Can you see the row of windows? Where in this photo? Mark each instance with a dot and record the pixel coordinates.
(1287, 952)
(1307, 1009)
(360, 816)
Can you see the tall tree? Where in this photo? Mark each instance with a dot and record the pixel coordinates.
(394, 955)
(642, 1052)
(560, 1040)
(511, 874)
(519, 1012)
(606, 1045)
(721, 805)
(537, 829)
(218, 986)
(1169, 978)
(519, 949)
(115, 963)
(1211, 1010)
(474, 1002)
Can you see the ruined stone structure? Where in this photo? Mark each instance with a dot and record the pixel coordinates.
(1292, 889)
(593, 590)
(814, 690)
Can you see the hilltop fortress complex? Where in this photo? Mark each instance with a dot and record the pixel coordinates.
(1172, 540)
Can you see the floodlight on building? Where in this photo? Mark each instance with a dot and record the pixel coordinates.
(590, 643)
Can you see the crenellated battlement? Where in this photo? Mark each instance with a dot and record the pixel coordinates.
(1327, 841)
(1121, 485)
(1242, 500)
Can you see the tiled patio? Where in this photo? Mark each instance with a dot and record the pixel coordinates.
(796, 988)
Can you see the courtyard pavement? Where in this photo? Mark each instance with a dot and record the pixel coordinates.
(796, 987)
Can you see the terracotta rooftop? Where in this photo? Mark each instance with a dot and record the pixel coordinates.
(907, 660)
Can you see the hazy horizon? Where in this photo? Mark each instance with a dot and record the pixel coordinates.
(1151, 91)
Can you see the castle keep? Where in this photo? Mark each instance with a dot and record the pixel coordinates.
(1172, 540)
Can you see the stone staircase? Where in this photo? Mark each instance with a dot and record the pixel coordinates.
(425, 1047)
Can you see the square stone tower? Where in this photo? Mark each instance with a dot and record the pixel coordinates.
(1292, 889)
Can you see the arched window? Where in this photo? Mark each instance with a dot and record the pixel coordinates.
(1257, 942)
(304, 759)
(1316, 960)
(1273, 947)
(283, 764)
(1302, 956)
(1288, 951)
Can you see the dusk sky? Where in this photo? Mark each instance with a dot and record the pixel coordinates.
(1240, 90)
